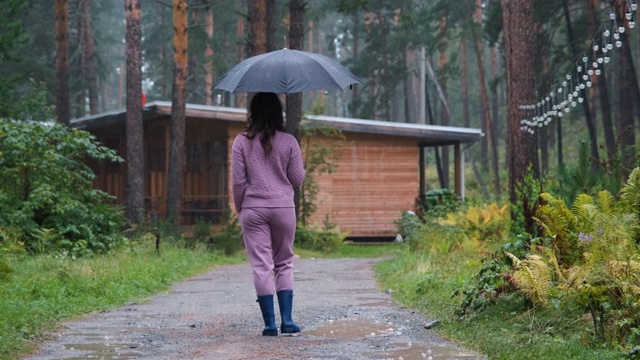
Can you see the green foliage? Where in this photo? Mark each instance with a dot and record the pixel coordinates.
(321, 155)
(451, 226)
(587, 256)
(525, 207)
(229, 239)
(425, 282)
(585, 178)
(325, 239)
(46, 190)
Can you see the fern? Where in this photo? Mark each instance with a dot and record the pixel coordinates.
(533, 278)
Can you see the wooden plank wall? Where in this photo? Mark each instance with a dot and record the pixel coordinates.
(376, 180)
(233, 130)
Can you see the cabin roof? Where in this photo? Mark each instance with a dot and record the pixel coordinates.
(428, 135)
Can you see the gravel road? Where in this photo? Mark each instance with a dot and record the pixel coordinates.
(337, 303)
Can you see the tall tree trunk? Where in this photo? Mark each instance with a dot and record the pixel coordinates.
(89, 50)
(294, 101)
(175, 188)
(257, 27)
(519, 40)
(495, 115)
(627, 98)
(257, 39)
(593, 137)
(406, 86)
(79, 96)
(63, 106)
(355, 93)
(208, 56)
(486, 111)
(135, 130)
(442, 62)
(239, 99)
(603, 91)
(272, 25)
(464, 82)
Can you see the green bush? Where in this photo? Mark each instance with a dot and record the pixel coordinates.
(229, 239)
(586, 257)
(46, 190)
(325, 239)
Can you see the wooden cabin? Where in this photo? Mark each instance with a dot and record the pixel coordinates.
(380, 171)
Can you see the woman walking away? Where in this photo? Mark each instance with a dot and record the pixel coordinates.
(266, 166)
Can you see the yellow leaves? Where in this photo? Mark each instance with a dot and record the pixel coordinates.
(533, 278)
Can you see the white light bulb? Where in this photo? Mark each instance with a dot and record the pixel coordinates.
(594, 64)
(600, 60)
(616, 35)
(612, 15)
(585, 59)
(634, 6)
(568, 77)
(575, 93)
(590, 72)
(628, 15)
(632, 24)
(596, 47)
(598, 72)
(618, 43)
(559, 90)
(621, 29)
(606, 32)
(573, 103)
(567, 109)
(582, 86)
(579, 68)
(586, 77)
(564, 83)
(604, 49)
(609, 46)
(607, 59)
(560, 114)
(580, 100)
(589, 83)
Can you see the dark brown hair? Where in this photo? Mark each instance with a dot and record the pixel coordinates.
(265, 118)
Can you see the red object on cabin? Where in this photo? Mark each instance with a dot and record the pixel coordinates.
(144, 99)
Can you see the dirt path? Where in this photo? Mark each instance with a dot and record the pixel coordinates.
(214, 316)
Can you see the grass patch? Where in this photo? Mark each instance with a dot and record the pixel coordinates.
(44, 290)
(503, 331)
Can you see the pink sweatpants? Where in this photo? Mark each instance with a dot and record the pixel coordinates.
(268, 240)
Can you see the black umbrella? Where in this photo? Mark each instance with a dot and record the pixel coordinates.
(285, 72)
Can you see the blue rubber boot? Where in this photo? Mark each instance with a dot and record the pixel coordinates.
(268, 315)
(285, 302)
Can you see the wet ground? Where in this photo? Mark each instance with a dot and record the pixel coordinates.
(342, 313)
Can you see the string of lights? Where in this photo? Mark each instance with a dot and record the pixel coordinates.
(569, 93)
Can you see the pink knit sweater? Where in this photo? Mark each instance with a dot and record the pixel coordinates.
(265, 181)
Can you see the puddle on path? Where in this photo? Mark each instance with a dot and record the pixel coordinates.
(102, 351)
(353, 329)
(408, 351)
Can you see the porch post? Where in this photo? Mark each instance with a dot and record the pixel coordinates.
(457, 169)
(422, 171)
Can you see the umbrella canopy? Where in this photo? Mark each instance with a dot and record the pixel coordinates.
(285, 72)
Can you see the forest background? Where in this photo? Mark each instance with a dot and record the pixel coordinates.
(380, 41)
(552, 84)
